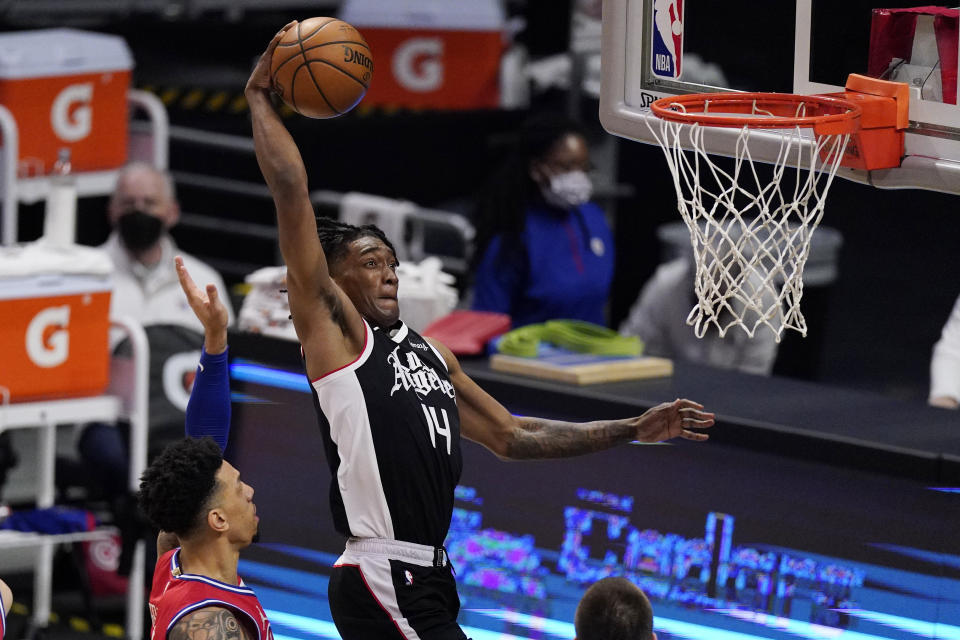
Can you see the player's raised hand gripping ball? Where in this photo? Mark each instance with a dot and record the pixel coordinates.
(321, 67)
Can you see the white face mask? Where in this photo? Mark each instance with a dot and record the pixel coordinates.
(568, 190)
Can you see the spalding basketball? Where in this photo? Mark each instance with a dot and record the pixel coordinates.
(321, 67)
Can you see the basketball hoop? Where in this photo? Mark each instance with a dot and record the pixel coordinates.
(750, 231)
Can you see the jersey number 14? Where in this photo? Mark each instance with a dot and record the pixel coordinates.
(434, 427)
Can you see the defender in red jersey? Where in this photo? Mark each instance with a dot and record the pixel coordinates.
(206, 515)
(181, 602)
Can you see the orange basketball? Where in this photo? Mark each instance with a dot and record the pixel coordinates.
(321, 67)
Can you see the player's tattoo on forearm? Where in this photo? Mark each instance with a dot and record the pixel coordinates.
(209, 624)
(541, 438)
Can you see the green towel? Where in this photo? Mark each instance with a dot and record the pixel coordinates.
(575, 335)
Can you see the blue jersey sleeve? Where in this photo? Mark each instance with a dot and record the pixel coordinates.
(208, 410)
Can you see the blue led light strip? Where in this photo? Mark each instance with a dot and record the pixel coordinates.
(322, 628)
(280, 636)
(694, 631)
(796, 627)
(326, 629)
(919, 627)
(270, 377)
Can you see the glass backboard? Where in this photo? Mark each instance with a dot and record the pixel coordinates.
(656, 48)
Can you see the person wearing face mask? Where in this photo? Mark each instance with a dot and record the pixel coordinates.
(142, 210)
(544, 251)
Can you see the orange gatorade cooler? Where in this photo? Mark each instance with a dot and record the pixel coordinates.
(54, 321)
(432, 54)
(66, 88)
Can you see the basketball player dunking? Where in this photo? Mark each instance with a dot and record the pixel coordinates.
(393, 405)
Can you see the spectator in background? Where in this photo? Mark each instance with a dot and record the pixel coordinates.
(142, 210)
(614, 609)
(544, 251)
(659, 318)
(945, 364)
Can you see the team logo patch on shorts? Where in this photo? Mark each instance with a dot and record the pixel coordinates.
(408, 577)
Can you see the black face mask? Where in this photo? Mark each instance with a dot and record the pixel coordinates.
(139, 230)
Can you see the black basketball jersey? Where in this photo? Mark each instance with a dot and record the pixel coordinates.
(392, 435)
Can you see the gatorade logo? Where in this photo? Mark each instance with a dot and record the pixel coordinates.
(418, 64)
(71, 114)
(49, 348)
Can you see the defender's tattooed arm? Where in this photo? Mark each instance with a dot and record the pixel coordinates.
(210, 623)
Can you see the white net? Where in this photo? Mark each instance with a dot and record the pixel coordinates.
(750, 229)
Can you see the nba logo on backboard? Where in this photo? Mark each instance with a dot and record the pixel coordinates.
(667, 55)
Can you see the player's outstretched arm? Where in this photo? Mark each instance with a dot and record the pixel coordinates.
(487, 422)
(285, 174)
(210, 623)
(323, 316)
(208, 409)
(209, 309)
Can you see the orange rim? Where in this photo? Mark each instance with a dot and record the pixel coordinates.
(826, 114)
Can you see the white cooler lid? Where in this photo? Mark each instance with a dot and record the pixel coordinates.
(36, 270)
(58, 52)
(39, 258)
(467, 15)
